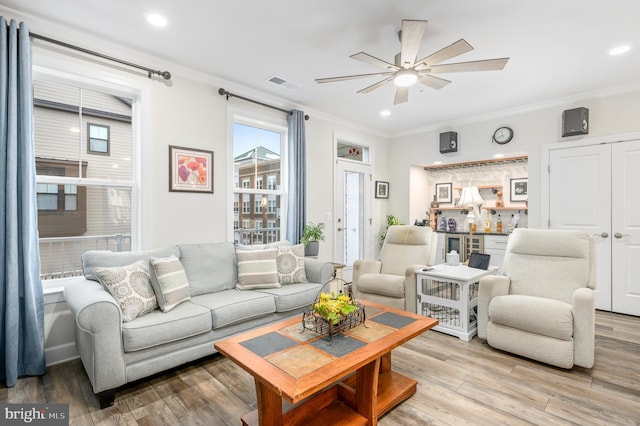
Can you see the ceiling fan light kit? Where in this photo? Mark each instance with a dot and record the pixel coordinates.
(407, 71)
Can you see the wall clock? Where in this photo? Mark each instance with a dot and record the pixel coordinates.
(503, 135)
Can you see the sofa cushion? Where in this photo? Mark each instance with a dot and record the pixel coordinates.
(291, 264)
(257, 269)
(169, 282)
(295, 296)
(157, 328)
(232, 306)
(209, 267)
(546, 317)
(130, 285)
(105, 259)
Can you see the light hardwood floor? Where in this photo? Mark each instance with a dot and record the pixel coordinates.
(460, 383)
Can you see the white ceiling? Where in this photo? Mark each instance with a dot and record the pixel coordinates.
(557, 48)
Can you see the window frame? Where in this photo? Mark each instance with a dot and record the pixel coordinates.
(89, 138)
(268, 122)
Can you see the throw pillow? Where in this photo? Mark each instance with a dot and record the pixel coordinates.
(257, 269)
(291, 264)
(169, 281)
(131, 287)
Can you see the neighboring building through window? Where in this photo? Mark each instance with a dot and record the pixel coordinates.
(257, 151)
(98, 139)
(84, 200)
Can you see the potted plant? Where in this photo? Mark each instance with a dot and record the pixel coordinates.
(312, 234)
(334, 308)
(391, 220)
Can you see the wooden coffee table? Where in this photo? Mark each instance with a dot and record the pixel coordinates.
(315, 377)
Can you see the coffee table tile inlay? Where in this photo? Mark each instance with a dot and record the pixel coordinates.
(306, 369)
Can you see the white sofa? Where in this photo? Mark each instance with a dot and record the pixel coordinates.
(115, 352)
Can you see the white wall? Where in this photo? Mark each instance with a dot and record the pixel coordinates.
(609, 114)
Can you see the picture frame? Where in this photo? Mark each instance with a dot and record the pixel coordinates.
(444, 192)
(190, 170)
(382, 189)
(519, 190)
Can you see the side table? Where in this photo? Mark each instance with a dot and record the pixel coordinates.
(450, 295)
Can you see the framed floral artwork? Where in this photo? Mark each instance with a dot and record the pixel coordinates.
(190, 170)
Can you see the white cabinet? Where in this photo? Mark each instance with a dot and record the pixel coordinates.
(440, 249)
(495, 245)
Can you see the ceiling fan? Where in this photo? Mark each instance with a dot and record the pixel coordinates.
(406, 70)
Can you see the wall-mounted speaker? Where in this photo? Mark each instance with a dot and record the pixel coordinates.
(448, 142)
(575, 122)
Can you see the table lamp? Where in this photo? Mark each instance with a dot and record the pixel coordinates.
(471, 198)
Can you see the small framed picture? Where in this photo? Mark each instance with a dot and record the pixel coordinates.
(519, 190)
(190, 170)
(443, 192)
(382, 189)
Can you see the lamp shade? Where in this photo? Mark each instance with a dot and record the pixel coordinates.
(470, 196)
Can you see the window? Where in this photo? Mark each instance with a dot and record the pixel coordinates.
(98, 142)
(84, 200)
(257, 151)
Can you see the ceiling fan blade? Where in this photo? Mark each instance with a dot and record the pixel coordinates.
(352, 77)
(365, 57)
(402, 95)
(411, 37)
(433, 82)
(483, 65)
(454, 49)
(376, 85)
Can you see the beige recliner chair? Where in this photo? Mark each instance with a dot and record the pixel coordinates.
(543, 307)
(391, 281)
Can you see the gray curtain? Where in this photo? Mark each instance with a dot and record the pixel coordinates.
(21, 299)
(297, 168)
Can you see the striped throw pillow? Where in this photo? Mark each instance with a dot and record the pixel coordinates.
(169, 282)
(257, 269)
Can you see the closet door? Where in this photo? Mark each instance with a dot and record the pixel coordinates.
(580, 198)
(625, 227)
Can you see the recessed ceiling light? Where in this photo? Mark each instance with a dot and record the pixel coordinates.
(156, 20)
(619, 50)
(498, 155)
(437, 163)
(385, 113)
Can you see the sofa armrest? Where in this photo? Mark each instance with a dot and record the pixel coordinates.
(98, 330)
(410, 288)
(318, 271)
(489, 287)
(584, 327)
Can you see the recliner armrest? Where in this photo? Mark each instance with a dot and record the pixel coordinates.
(361, 267)
(410, 288)
(584, 326)
(490, 286)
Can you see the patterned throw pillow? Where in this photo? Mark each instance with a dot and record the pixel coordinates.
(257, 269)
(131, 287)
(291, 264)
(169, 281)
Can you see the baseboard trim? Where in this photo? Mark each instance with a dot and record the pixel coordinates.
(61, 353)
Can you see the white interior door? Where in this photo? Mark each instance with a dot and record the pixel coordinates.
(625, 227)
(352, 213)
(580, 198)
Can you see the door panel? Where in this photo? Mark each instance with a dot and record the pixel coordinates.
(352, 212)
(580, 198)
(626, 227)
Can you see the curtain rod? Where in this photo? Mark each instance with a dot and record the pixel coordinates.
(164, 74)
(223, 92)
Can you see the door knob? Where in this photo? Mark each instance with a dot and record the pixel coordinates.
(619, 235)
(603, 234)
(340, 228)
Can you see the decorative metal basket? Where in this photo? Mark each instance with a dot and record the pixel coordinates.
(313, 321)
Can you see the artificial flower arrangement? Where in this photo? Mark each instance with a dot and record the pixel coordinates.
(334, 308)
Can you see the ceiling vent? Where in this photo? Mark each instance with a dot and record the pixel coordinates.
(279, 81)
